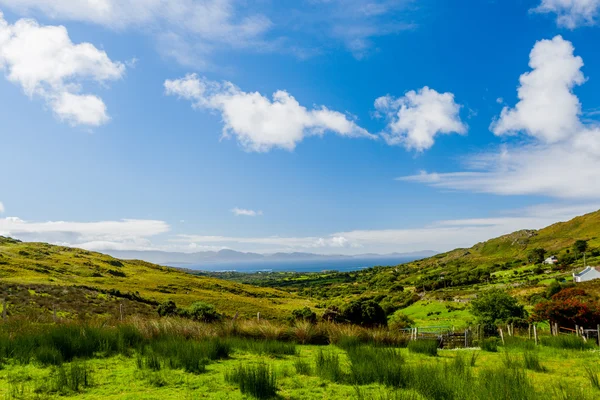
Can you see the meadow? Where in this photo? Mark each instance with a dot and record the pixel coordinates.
(171, 358)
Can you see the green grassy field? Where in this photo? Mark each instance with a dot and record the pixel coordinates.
(555, 374)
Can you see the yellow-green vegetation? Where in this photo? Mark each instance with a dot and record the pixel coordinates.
(175, 359)
(30, 271)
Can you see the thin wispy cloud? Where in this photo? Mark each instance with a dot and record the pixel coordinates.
(571, 14)
(245, 212)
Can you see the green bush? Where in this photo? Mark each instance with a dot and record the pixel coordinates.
(258, 381)
(365, 313)
(305, 314)
(429, 347)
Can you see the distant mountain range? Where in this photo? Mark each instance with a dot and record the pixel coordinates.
(208, 258)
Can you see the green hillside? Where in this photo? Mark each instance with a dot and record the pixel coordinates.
(436, 289)
(32, 273)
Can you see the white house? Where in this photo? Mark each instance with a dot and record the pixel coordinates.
(588, 274)
(551, 260)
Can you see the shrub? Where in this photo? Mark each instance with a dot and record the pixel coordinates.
(429, 347)
(167, 309)
(399, 320)
(305, 314)
(200, 311)
(365, 313)
(258, 381)
(496, 306)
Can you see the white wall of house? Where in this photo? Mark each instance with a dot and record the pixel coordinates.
(588, 274)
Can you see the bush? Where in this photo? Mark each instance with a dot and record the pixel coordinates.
(167, 309)
(429, 347)
(399, 320)
(495, 306)
(258, 381)
(200, 311)
(365, 313)
(305, 314)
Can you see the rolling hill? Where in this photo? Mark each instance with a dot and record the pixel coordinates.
(43, 276)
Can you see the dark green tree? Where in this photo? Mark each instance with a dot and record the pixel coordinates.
(494, 307)
(580, 247)
(536, 256)
(365, 313)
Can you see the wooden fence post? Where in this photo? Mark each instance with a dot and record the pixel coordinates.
(121, 311)
(598, 333)
(529, 331)
(258, 316)
(577, 330)
(501, 336)
(535, 334)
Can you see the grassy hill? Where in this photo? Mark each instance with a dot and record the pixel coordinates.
(42, 276)
(435, 290)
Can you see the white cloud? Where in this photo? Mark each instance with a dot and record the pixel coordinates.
(244, 212)
(197, 27)
(547, 110)
(441, 235)
(124, 234)
(559, 160)
(571, 13)
(46, 64)
(258, 123)
(1, 208)
(418, 117)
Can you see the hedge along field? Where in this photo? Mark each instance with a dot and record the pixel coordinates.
(174, 359)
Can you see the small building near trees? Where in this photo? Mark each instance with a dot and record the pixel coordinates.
(551, 260)
(588, 274)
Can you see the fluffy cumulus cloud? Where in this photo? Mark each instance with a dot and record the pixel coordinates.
(257, 122)
(245, 212)
(102, 235)
(547, 108)
(557, 158)
(415, 119)
(571, 13)
(47, 64)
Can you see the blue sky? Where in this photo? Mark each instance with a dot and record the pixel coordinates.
(326, 126)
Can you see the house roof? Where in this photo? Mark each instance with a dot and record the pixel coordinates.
(586, 270)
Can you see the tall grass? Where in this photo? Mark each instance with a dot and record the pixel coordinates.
(489, 344)
(376, 365)
(265, 347)
(71, 378)
(258, 380)
(593, 377)
(531, 360)
(429, 347)
(328, 366)
(568, 342)
(302, 367)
